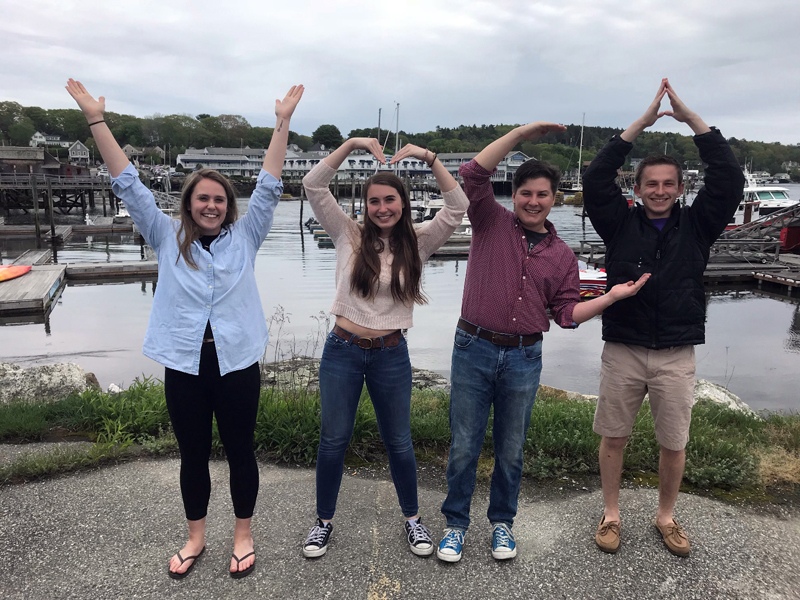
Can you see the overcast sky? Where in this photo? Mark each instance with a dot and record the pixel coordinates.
(447, 62)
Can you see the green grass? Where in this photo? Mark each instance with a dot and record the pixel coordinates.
(726, 451)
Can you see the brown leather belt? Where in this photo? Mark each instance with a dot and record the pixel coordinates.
(500, 339)
(208, 340)
(365, 343)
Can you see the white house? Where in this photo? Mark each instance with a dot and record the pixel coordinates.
(45, 139)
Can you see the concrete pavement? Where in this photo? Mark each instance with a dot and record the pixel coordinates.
(108, 533)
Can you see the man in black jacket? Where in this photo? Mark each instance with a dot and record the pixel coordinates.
(650, 337)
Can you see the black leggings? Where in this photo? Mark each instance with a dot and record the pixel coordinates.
(233, 399)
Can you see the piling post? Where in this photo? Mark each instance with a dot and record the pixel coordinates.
(35, 195)
(50, 208)
(353, 200)
(302, 195)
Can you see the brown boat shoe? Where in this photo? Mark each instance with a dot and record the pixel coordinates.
(675, 538)
(607, 536)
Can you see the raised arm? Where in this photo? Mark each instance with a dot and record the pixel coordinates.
(94, 111)
(435, 233)
(139, 201)
(276, 153)
(317, 185)
(491, 156)
(444, 180)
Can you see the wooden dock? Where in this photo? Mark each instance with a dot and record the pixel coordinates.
(789, 278)
(34, 257)
(113, 271)
(32, 292)
(62, 231)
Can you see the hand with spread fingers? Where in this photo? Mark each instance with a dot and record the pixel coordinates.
(410, 150)
(285, 108)
(626, 290)
(92, 109)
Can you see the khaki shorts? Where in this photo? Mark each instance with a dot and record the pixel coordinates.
(628, 373)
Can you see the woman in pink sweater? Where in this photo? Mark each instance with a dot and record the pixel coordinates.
(378, 282)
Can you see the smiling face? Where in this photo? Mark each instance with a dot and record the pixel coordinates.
(659, 189)
(533, 200)
(208, 206)
(384, 207)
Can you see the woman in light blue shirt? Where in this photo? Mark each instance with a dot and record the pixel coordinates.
(206, 324)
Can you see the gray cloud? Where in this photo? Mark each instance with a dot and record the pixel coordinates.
(446, 62)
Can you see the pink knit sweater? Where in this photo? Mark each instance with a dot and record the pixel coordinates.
(382, 311)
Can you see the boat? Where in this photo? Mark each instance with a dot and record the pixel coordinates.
(592, 282)
(432, 203)
(747, 211)
(8, 272)
(772, 198)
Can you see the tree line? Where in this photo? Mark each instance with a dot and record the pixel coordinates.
(176, 132)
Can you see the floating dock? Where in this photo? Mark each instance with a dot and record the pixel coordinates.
(33, 292)
(112, 272)
(791, 279)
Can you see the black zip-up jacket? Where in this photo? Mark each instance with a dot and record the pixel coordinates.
(670, 309)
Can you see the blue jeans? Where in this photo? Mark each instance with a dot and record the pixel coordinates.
(484, 374)
(343, 369)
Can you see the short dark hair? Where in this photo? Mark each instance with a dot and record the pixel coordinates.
(653, 160)
(533, 169)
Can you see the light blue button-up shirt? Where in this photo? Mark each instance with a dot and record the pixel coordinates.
(223, 291)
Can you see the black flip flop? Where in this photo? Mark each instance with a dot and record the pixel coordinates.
(247, 571)
(175, 575)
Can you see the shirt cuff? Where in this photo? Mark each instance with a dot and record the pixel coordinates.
(267, 178)
(127, 178)
(474, 169)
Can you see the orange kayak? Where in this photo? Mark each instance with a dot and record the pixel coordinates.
(11, 271)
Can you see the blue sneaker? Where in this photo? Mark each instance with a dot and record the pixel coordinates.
(503, 544)
(450, 547)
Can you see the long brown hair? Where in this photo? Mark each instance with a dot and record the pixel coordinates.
(189, 231)
(402, 244)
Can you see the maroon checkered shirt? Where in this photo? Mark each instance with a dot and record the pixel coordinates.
(507, 288)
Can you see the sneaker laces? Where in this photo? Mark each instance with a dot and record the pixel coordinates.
(418, 534)
(316, 536)
(502, 536)
(452, 539)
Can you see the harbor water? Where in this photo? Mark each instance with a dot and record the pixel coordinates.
(753, 336)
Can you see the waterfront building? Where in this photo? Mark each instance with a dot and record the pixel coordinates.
(45, 139)
(78, 154)
(244, 162)
(359, 166)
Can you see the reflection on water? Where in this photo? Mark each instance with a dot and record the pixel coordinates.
(753, 337)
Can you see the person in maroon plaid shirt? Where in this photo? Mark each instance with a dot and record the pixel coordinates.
(518, 268)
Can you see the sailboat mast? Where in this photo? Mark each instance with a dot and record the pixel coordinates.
(397, 138)
(580, 150)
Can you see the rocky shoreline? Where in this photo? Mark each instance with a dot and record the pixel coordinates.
(50, 383)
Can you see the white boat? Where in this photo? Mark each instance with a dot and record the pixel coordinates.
(772, 198)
